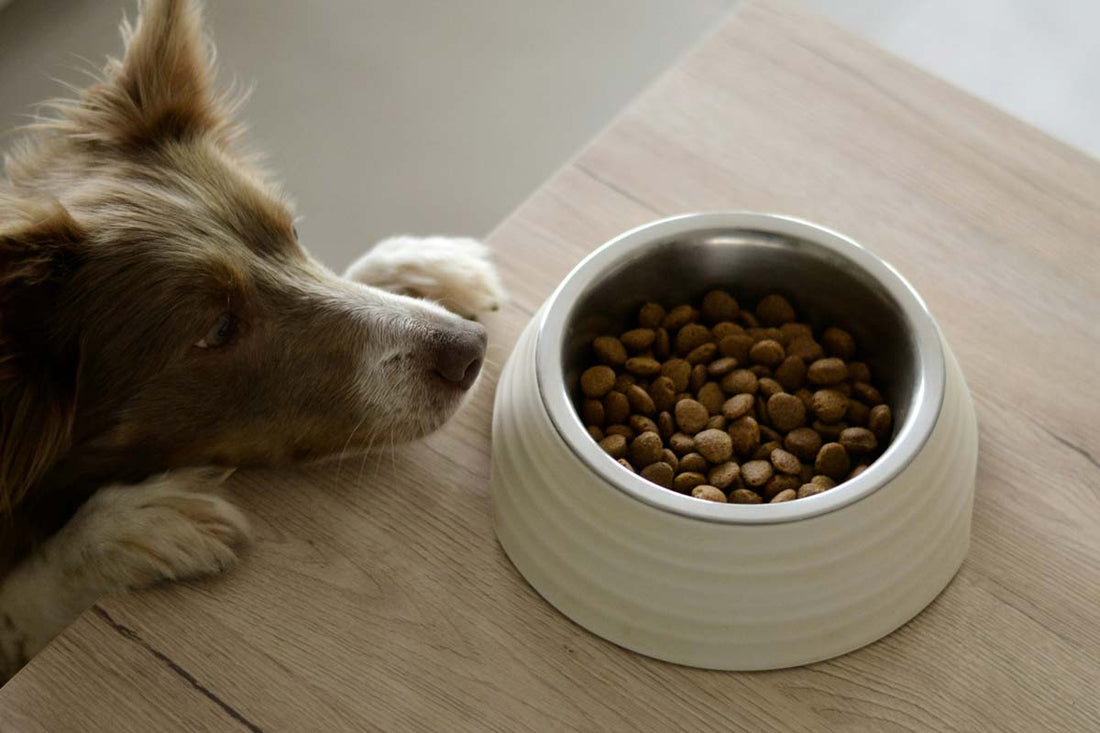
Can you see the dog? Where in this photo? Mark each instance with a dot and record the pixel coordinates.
(160, 325)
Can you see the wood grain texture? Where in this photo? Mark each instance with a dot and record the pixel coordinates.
(376, 597)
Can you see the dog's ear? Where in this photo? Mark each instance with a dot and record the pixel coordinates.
(162, 87)
(39, 253)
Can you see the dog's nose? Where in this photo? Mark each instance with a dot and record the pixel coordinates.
(459, 352)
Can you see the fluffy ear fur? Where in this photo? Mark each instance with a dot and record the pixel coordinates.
(160, 90)
(38, 252)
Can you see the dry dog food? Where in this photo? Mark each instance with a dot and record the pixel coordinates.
(733, 405)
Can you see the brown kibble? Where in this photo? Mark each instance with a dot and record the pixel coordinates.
(745, 496)
(609, 350)
(624, 430)
(691, 416)
(714, 445)
(661, 344)
(867, 393)
(592, 412)
(616, 408)
(614, 446)
(827, 371)
(740, 381)
(747, 319)
(698, 377)
(638, 339)
(765, 334)
(596, 433)
(803, 442)
(784, 461)
(760, 371)
(626, 464)
(879, 421)
(744, 432)
(681, 443)
(791, 331)
(623, 381)
(725, 328)
(832, 460)
(857, 413)
(806, 473)
(718, 305)
(646, 449)
(716, 422)
(680, 316)
(679, 371)
(737, 346)
(768, 387)
(859, 372)
(737, 406)
(764, 452)
(651, 315)
(688, 480)
(693, 462)
(691, 336)
(775, 310)
(659, 473)
(829, 405)
(857, 471)
(666, 426)
(791, 374)
(663, 392)
(640, 401)
(807, 398)
(805, 348)
(670, 458)
(838, 343)
(702, 354)
(858, 440)
(724, 474)
(829, 430)
(823, 481)
(597, 381)
(786, 412)
(756, 473)
(768, 435)
(768, 353)
(708, 493)
(643, 366)
(810, 490)
(785, 495)
(711, 397)
(642, 424)
(722, 366)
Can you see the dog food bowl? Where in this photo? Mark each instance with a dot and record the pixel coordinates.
(732, 586)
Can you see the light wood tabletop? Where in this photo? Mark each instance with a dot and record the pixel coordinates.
(376, 597)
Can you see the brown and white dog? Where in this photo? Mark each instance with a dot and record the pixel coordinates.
(158, 314)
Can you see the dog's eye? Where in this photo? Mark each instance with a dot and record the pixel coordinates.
(220, 334)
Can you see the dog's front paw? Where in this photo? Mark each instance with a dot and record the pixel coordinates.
(455, 272)
(164, 529)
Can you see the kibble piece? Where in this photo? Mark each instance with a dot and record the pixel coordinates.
(785, 495)
(692, 335)
(614, 446)
(786, 412)
(623, 381)
(857, 471)
(764, 451)
(609, 350)
(714, 445)
(624, 430)
(643, 366)
(718, 305)
(823, 481)
(785, 462)
(722, 366)
(745, 496)
(716, 422)
(844, 388)
(832, 460)
(768, 387)
(688, 480)
(775, 310)
(693, 462)
(626, 464)
(867, 393)
(679, 371)
(725, 328)
(724, 474)
(740, 381)
(737, 406)
(701, 354)
(768, 353)
(638, 339)
(858, 440)
(712, 397)
(805, 348)
(747, 319)
(616, 408)
(829, 405)
(651, 315)
(659, 473)
(698, 377)
(666, 426)
(760, 371)
(663, 392)
(596, 433)
(640, 401)
(827, 371)
(670, 458)
(857, 413)
(768, 435)
(736, 345)
(744, 434)
(838, 343)
(708, 493)
(766, 334)
(791, 331)
(681, 443)
(679, 316)
(806, 473)
(592, 412)
(807, 398)
(791, 374)
(662, 344)
(803, 442)
(756, 473)
(779, 483)
(691, 416)
(597, 381)
(646, 449)
(879, 420)
(642, 424)
(810, 490)
(859, 372)
(829, 430)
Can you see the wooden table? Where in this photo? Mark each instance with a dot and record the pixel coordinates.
(376, 597)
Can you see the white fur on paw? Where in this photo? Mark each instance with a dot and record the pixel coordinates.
(455, 272)
(164, 529)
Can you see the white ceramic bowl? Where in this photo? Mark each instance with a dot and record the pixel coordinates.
(730, 586)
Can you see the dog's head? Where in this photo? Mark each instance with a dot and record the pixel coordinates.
(157, 310)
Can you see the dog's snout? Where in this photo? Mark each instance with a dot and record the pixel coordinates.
(459, 352)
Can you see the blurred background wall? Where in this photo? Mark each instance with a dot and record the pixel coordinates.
(425, 116)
